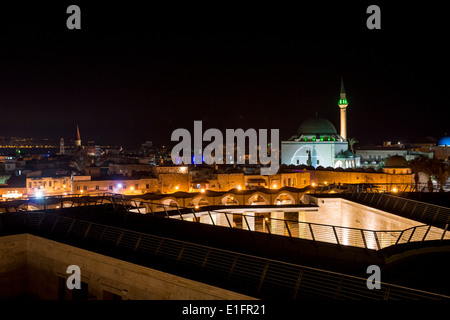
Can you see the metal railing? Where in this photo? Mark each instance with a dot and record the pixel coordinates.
(247, 274)
(347, 236)
(54, 202)
(425, 212)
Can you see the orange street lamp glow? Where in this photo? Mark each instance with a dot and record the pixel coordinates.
(202, 191)
(313, 184)
(176, 187)
(394, 189)
(239, 187)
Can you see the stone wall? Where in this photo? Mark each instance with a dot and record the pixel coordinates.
(13, 266)
(342, 212)
(37, 266)
(173, 182)
(137, 186)
(322, 176)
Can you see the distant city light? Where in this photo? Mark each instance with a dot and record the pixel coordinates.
(13, 194)
(183, 169)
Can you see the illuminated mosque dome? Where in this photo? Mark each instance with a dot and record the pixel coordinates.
(317, 126)
(317, 129)
(444, 142)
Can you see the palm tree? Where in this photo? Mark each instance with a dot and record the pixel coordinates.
(352, 142)
(79, 164)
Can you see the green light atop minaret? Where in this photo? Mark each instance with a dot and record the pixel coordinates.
(343, 96)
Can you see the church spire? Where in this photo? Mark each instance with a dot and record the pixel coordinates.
(78, 133)
(78, 140)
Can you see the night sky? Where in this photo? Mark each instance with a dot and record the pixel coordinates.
(135, 73)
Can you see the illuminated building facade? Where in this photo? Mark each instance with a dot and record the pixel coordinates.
(317, 142)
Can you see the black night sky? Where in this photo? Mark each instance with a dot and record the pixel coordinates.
(135, 73)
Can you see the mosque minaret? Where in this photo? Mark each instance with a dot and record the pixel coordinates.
(343, 107)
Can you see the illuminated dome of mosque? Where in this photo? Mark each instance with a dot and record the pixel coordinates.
(396, 162)
(317, 126)
(444, 141)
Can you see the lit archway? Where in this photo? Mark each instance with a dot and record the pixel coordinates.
(338, 164)
(284, 198)
(229, 200)
(170, 202)
(258, 199)
(200, 201)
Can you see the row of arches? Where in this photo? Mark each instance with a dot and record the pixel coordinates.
(198, 200)
(258, 198)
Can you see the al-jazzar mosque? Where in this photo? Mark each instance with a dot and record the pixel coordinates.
(317, 142)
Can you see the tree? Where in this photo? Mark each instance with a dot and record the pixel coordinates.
(434, 169)
(429, 170)
(79, 164)
(417, 165)
(442, 174)
(352, 142)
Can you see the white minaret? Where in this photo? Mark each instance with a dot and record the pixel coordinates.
(343, 107)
